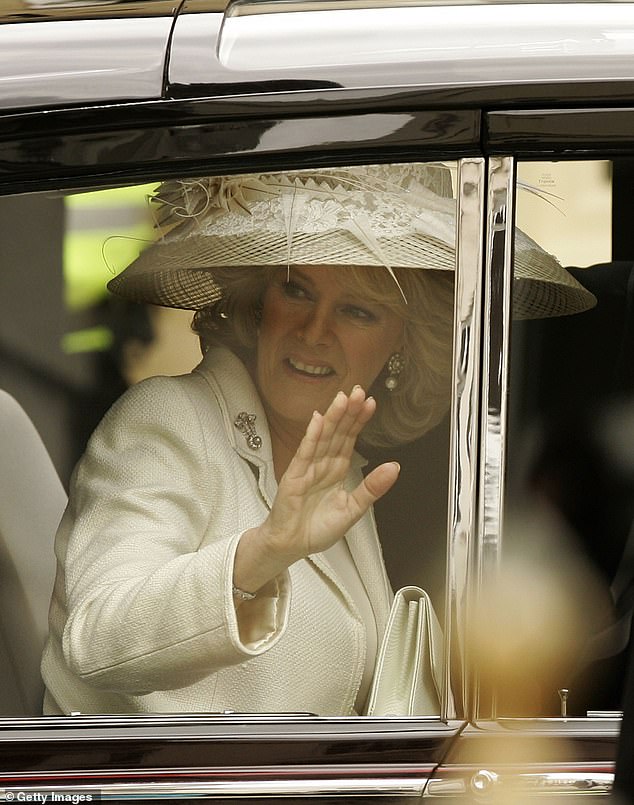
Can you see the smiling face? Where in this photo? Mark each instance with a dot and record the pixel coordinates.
(318, 336)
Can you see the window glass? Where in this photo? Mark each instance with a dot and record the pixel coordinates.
(569, 502)
(180, 585)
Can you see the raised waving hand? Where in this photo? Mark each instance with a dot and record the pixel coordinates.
(312, 509)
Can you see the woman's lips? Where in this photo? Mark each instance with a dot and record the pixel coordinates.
(309, 369)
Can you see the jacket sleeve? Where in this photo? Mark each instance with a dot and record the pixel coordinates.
(149, 606)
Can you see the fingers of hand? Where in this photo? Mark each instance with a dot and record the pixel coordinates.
(333, 434)
(376, 484)
(310, 442)
(336, 413)
(343, 424)
(320, 430)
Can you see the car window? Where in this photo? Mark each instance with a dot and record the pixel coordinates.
(566, 567)
(72, 350)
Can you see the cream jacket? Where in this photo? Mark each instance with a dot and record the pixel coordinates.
(142, 617)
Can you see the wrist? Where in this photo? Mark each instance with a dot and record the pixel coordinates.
(242, 595)
(256, 562)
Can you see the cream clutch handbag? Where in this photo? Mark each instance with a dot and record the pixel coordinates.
(408, 673)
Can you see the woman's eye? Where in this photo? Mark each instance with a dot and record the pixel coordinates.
(293, 291)
(359, 313)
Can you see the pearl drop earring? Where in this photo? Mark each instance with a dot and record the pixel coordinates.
(395, 366)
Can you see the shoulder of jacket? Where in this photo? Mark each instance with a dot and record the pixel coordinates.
(166, 401)
(162, 389)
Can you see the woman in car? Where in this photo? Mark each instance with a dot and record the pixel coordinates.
(219, 549)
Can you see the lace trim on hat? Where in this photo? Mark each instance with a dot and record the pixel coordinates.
(371, 203)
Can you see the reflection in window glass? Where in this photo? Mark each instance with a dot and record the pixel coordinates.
(567, 208)
(569, 506)
(221, 549)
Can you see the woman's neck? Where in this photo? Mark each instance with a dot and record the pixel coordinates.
(285, 436)
(285, 439)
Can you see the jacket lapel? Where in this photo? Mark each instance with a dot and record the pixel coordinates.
(365, 549)
(244, 419)
(366, 553)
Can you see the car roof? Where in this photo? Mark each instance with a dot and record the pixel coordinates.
(356, 44)
(60, 54)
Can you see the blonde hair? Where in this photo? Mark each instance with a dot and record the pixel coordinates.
(422, 395)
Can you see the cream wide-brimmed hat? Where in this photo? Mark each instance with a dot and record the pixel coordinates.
(396, 216)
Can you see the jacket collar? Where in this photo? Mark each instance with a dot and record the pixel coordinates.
(243, 415)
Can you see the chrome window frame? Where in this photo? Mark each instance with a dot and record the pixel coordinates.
(464, 430)
(496, 318)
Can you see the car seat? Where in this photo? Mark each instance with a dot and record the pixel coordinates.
(32, 500)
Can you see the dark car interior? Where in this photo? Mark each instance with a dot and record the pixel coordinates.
(576, 387)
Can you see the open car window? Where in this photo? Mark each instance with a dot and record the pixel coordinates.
(70, 350)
